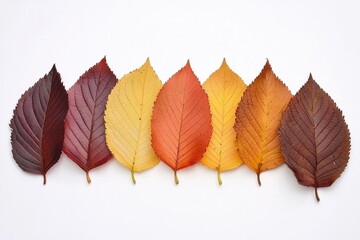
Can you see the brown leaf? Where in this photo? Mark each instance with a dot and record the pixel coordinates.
(315, 139)
(38, 125)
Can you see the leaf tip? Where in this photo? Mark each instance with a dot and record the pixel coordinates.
(224, 63)
(53, 69)
(266, 69)
(311, 77)
(311, 83)
(147, 63)
(187, 67)
(267, 64)
(103, 61)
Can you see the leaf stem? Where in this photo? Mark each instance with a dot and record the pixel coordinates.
(258, 179)
(88, 177)
(317, 195)
(176, 178)
(133, 176)
(219, 177)
(44, 181)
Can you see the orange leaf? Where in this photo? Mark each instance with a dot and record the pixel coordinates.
(258, 121)
(181, 121)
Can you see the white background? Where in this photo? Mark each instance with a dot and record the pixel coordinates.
(298, 37)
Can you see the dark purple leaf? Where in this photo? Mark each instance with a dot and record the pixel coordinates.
(38, 125)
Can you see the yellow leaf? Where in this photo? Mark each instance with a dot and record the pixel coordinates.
(258, 120)
(128, 119)
(224, 89)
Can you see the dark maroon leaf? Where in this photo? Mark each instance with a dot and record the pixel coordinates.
(315, 139)
(38, 125)
(84, 124)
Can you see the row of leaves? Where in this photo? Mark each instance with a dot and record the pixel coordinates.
(222, 123)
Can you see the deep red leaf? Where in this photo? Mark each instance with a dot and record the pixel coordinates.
(315, 139)
(84, 124)
(38, 125)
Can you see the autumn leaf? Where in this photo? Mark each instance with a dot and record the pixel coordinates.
(38, 125)
(315, 139)
(181, 121)
(258, 120)
(84, 124)
(224, 89)
(128, 119)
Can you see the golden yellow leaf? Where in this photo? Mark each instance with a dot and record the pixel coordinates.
(224, 89)
(258, 120)
(128, 119)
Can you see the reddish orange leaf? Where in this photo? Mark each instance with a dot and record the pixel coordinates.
(181, 121)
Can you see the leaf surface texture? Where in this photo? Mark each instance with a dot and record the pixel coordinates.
(224, 89)
(84, 124)
(315, 139)
(181, 122)
(258, 120)
(38, 125)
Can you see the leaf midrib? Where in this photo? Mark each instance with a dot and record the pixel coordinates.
(181, 122)
(46, 78)
(140, 120)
